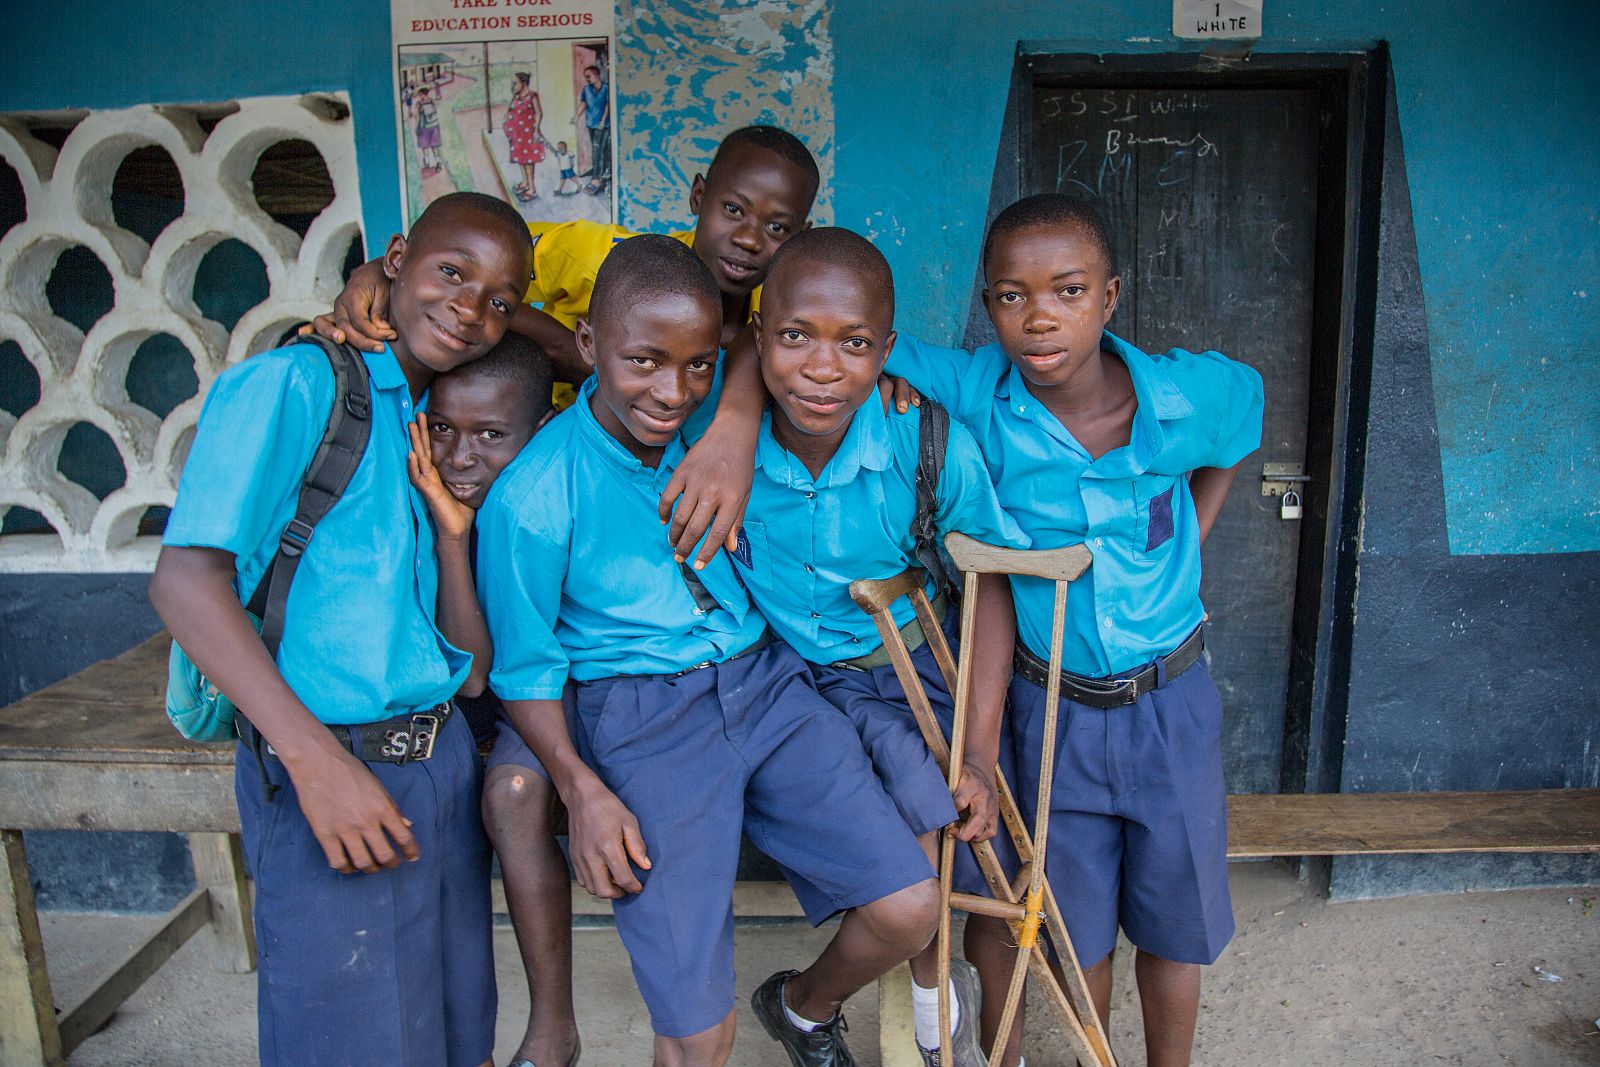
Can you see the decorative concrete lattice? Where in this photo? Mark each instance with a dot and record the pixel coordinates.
(82, 377)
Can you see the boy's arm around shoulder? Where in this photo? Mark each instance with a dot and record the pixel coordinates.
(524, 545)
(967, 500)
(713, 479)
(260, 424)
(962, 381)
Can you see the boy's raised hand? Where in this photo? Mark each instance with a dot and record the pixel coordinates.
(360, 311)
(451, 518)
(897, 394)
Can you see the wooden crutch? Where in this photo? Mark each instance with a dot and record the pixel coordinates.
(1028, 902)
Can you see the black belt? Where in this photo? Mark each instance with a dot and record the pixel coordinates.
(1114, 692)
(401, 739)
(756, 646)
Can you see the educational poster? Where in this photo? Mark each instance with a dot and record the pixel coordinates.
(507, 97)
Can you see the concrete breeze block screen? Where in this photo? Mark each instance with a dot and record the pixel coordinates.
(83, 376)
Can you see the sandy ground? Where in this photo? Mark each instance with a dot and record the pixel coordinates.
(1421, 980)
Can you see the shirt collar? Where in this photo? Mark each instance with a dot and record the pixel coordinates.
(384, 369)
(1157, 392)
(1160, 399)
(612, 449)
(866, 445)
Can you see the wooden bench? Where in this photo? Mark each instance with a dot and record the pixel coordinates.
(95, 752)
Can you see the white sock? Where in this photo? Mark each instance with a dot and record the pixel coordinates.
(925, 1013)
(799, 1022)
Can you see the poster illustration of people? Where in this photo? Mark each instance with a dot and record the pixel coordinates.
(507, 97)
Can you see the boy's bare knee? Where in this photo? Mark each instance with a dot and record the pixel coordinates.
(511, 792)
(908, 918)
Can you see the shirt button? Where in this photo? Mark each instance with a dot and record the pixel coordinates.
(1098, 543)
(699, 611)
(1108, 622)
(814, 615)
(810, 569)
(810, 495)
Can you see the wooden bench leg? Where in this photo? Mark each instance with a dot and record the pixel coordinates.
(219, 870)
(897, 1031)
(1121, 971)
(28, 1031)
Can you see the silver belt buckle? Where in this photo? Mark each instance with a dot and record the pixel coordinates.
(424, 728)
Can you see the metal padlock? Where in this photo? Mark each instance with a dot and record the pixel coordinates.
(1290, 509)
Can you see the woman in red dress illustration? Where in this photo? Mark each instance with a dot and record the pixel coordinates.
(524, 114)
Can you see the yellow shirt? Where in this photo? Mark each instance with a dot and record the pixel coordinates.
(566, 258)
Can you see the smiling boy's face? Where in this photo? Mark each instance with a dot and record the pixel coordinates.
(653, 366)
(456, 284)
(824, 330)
(751, 202)
(1050, 294)
(476, 425)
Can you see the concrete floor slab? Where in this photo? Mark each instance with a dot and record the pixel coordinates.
(1436, 980)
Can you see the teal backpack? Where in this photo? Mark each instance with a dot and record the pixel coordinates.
(199, 710)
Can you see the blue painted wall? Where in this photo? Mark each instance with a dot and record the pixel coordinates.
(1508, 220)
(1487, 557)
(1504, 159)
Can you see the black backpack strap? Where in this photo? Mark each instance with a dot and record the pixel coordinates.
(343, 444)
(933, 437)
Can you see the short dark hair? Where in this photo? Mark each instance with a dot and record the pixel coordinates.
(834, 244)
(446, 210)
(781, 143)
(647, 266)
(1051, 210)
(521, 361)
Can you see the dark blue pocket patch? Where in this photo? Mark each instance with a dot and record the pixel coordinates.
(741, 548)
(1160, 521)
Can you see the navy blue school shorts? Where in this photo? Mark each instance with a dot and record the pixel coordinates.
(510, 748)
(745, 744)
(395, 967)
(1138, 817)
(875, 703)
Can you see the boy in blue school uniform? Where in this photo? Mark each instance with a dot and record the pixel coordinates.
(479, 417)
(689, 725)
(1090, 440)
(833, 500)
(371, 869)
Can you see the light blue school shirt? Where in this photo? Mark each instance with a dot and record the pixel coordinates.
(1131, 507)
(359, 639)
(576, 575)
(806, 539)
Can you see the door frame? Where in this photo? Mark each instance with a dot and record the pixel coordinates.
(1351, 88)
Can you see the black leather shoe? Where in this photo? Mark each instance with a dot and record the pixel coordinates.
(822, 1047)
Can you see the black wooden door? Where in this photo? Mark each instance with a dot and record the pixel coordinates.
(1211, 196)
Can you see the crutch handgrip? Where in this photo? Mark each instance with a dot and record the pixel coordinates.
(1054, 564)
(876, 594)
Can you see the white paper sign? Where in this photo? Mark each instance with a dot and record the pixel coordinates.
(1216, 18)
(508, 97)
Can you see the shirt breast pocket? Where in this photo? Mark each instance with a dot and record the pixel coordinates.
(1156, 499)
(751, 551)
